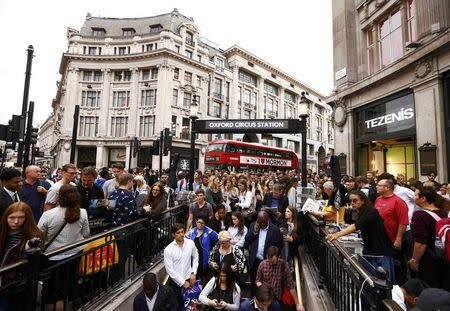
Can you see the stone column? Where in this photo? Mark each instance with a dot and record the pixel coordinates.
(99, 161)
(234, 96)
(133, 118)
(260, 108)
(104, 116)
(281, 108)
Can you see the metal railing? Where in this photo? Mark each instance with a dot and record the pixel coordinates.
(349, 284)
(96, 265)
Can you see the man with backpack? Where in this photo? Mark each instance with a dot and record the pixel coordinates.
(369, 190)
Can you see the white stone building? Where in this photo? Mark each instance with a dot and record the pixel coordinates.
(133, 77)
(392, 86)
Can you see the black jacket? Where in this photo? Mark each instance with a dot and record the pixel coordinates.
(6, 200)
(165, 300)
(284, 202)
(273, 238)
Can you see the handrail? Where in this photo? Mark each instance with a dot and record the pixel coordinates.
(350, 258)
(297, 280)
(13, 265)
(83, 242)
(355, 264)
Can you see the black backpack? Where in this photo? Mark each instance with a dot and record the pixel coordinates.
(373, 194)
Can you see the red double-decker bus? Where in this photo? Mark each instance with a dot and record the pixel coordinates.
(236, 155)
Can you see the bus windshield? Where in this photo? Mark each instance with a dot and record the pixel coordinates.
(215, 147)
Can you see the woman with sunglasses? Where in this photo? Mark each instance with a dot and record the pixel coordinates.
(378, 248)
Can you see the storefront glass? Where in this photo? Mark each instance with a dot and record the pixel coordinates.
(385, 136)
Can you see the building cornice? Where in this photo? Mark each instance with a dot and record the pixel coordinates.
(66, 57)
(441, 42)
(236, 50)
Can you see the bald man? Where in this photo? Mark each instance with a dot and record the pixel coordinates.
(260, 236)
(34, 190)
(154, 296)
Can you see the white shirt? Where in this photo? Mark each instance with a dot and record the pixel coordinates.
(407, 195)
(177, 260)
(12, 194)
(151, 302)
(261, 242)
(209, 287)
(245, 199)
(234, 235)
(397, 296)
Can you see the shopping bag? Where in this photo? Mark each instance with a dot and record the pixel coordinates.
(190, 297)
(108, 255)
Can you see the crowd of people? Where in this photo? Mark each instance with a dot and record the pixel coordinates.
(242, 228)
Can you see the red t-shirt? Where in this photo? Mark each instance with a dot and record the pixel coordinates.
(394, 212)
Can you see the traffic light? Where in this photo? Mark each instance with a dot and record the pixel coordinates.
(156, 147)
(136, 146)
(4, 132)
(34, 135)
(17, 128)
(167, 141)
(36, 153)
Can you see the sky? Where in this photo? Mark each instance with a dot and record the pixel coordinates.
(294, 36)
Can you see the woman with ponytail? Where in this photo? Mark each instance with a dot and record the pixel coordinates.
(63, 225)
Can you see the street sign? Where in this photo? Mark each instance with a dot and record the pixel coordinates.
(249, 126)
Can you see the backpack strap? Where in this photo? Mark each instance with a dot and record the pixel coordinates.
(434, 215)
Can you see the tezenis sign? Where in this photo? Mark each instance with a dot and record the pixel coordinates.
(403, 114)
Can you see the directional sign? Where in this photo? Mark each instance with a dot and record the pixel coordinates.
(249, 126)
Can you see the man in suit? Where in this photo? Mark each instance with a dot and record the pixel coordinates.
(276, 202)
(11, 179)
(263, 300)
(260, 236)
(154, 296)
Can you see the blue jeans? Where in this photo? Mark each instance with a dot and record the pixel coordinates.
(371, 263)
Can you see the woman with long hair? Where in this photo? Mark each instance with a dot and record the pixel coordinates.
(63, 225)
(213, 193)
(238, 230)
(230, 194)
(156, 199)
(292, 238)
(221, 292)
(377, 246)
(16, 229)
(245, 196)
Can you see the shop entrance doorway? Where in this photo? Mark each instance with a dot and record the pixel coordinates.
(395, 156)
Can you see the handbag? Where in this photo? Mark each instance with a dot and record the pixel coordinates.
(54, 237)
(286, 297)
(108, 254)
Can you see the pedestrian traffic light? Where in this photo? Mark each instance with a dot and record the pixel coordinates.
(34, 135)
(16, 128)
(167, 141)
(156, 147)
(3, 132)
(136, 146)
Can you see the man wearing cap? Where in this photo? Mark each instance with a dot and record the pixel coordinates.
(433, 299)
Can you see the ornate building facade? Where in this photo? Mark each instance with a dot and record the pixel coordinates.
(133, 77)
(392, 86)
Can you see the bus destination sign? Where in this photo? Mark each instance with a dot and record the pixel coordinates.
(248, 126)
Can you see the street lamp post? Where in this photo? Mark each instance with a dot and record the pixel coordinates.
(303, 107)
(193, 116)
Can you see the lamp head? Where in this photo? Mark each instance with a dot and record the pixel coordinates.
(194, 107)
(303, 105)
